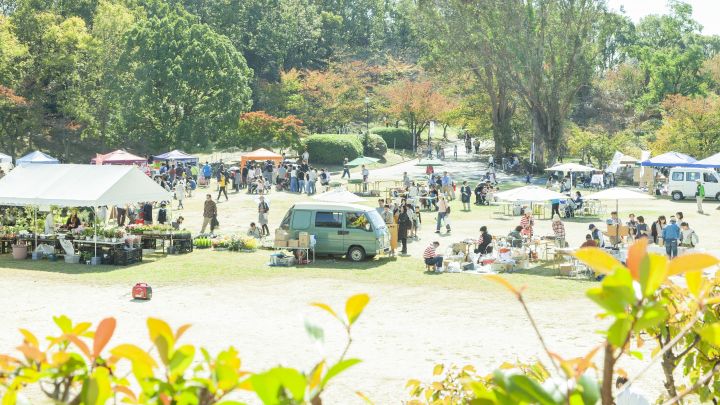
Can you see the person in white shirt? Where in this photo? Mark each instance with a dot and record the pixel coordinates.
(366, 176)
(629, 396)
(180, 193)
(306, 156)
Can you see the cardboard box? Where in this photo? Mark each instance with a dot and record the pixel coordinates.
(281, 234)
(293, 243)
(304, 239)
(566, 269)
(281, 243)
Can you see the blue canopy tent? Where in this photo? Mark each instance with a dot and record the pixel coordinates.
(177, 156)
(37, 157)
(712, 162)
(670, 159)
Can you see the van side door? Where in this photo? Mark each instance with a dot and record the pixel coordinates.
(329, 232)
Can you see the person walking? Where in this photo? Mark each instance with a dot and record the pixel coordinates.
(465, 194)
(442, 215)
(700, 195)
(404, 226)
(222, 184)
(180, 193)
(455, 151)
(365, 177)
(209, 213)
(671, 235)
(346, 169)
(263, 210)
(559, 230)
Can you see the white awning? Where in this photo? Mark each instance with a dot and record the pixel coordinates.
(570, 167)
(530, 193)
(78, 186)
(618, 193)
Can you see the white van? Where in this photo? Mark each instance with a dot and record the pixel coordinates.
(683, 183)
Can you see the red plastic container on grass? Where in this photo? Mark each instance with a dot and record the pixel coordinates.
(142, 291)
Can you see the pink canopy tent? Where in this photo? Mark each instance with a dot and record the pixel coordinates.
(118, 157)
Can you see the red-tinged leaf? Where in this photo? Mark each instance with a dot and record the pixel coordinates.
(326, 308)
(502, 281)
(364, 397)
(32, 353)
(598, 260)
(104, 332)
(181, 331)
(636, 253)
(120, 389)
(691, 261)
(79, 343)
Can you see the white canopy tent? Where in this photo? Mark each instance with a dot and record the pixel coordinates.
(530, 193)
(5, 158)
(570, 167)
(78, 186)
(339, 195)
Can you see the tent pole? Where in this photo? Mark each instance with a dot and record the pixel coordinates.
(35, 225)
(95, 230)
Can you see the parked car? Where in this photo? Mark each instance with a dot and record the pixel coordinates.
(683, 182)
(356, 231)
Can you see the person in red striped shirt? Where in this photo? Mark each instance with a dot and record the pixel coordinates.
(431, 257)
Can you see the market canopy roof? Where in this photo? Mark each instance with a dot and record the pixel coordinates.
(118, 157)
(709, 162)
(37, 157)
(362, 160)
(619, 160)
(78, 186)
(260, 155)
(178, 156)
(530, 193)
(619, 193)
(339, 195)
(669, 159)
(567, 167)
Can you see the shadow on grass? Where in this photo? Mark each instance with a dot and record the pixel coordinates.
(6, 261)
(545, 270)
(340, 263)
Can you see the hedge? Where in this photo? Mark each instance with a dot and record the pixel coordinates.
(375, 146)
(400, 138)
(333, 148)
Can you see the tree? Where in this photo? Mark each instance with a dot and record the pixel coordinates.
(544, 50)
(416, 102)
(452, 43)
(258, 129)
(691, 125)
(190, 86)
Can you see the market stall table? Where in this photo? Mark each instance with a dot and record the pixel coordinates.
(111, 252)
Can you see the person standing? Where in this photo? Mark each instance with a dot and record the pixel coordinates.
(404, 226)
(443, 211)
(455, 151)
(263, 210)
(147, 210)
(446, 183)
(657, 228)
(180, 193)
(121, 215)
(222, 184)
(555, 204)
(293, 180)
(671, 235)
(465, 194)
(688, 237)
(527, 222)
(559, 230)
(306, 156)
(700, 195)
(406, 180)
(209, 213)
(346, 169)
(365, 177)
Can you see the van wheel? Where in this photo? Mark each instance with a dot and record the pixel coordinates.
(717, 196)
(677, 196)
(356, 254)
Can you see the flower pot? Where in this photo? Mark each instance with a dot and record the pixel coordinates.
(95, 261)
(19, 252)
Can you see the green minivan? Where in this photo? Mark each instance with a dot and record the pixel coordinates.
(340, 229)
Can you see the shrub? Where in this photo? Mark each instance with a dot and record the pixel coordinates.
(375, 145)
(401, 138)
(333, 148)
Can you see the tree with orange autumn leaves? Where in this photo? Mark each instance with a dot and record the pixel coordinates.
(259, 129)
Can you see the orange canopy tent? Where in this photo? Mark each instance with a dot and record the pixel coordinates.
(260, 155)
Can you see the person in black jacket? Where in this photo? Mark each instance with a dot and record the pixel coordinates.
(404, 226)
(162, 214)
(484, 242)
(147, 213)
(465, 194)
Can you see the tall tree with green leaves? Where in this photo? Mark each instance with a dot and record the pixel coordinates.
(546, 51)
(190, 83)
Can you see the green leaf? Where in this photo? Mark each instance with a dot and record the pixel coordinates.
(355, 306)
(618, 332)
(653, 271)
(338, 368)
(63, 322)
(181, 360)
(96, 390)
(522, 387)
(711, 334)
(316, 333)
(589, 389)
(650, 316)
(615, 293)
(270, 385)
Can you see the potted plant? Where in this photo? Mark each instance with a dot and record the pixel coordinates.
(19, 251)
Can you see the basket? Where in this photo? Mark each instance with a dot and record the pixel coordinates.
(282, 261)
(72, 259)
